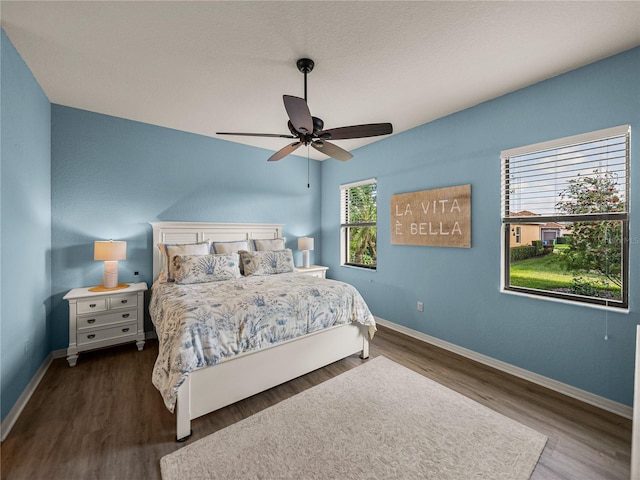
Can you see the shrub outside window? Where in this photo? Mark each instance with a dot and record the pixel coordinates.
(565, 217)
(358, 224)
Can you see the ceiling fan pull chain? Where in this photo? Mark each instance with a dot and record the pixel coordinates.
(308, 182)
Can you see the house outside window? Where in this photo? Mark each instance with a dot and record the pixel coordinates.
(565, 217)
(358, 224)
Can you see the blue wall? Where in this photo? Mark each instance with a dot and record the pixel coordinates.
(460, 287)
(25, 229)
(111, 176)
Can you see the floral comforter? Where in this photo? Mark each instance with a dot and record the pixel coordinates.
(200, 324)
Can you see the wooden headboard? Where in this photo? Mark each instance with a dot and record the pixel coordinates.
(192, 232)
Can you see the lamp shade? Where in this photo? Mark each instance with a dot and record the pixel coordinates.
(110, 250)
(305, 243)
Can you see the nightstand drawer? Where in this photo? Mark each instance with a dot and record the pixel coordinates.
(314, 271)
(123, 301)
(319, 274)
(124, 330)
(90, 305)
(106, 319)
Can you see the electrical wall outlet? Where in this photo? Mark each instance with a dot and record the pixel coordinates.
(420, 307)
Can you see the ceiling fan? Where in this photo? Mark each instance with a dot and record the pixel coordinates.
(308, 130)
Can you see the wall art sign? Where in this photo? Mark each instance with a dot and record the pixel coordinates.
(440, 217)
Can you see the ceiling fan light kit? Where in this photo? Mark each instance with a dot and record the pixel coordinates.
(309, 130)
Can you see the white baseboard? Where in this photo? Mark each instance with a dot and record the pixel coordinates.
(568, 390)
(59, 353)
(14, 413)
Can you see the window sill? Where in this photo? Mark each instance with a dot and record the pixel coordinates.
(366, 269)
(624, 310)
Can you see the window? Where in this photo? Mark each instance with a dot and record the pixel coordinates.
(565, 217)
(358, 230)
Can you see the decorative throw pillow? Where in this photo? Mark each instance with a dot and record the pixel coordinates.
(231, 247)
(269, 244)
(205, 268)
(169, 250)
(269, 262)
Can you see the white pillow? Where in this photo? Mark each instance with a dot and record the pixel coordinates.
(230, 247)
(269, 244)
(169, 250)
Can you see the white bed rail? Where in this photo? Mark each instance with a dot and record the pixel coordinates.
(254, 372)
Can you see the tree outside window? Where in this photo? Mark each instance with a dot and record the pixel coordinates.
(594, 246)
(359, 212)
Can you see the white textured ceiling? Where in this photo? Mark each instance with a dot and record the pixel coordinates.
(212, 66)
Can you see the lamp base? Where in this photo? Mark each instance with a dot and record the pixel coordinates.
(102, 288)
(305, 258)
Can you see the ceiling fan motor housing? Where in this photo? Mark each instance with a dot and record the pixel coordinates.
(318, 125)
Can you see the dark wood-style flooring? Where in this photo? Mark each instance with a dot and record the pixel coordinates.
(103, 419)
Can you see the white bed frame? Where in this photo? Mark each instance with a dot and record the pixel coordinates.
(239, 377)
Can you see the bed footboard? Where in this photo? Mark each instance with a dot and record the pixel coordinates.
(255, 372)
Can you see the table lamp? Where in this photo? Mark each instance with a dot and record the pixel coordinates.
(110, 252)
(305, 244)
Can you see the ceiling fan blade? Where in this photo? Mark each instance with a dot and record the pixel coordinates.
(283, 152)
(331, 150)
(299, 113)
(277, 135)
(356, 131)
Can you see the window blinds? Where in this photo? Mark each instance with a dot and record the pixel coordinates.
(537, 178)
(355, 203)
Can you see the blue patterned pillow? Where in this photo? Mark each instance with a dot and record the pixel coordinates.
(230, 247)
(168, 251)
(205, 268)
(268, 262)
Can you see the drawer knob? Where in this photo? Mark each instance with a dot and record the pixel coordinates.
(125, 330)
(123, 301)
(91, 320)
(93, 335)
(92, 305)
(125, 315)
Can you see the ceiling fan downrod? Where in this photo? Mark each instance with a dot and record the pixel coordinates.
(305, 65)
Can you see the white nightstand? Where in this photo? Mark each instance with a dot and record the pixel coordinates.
(314, 271)
(102, 319)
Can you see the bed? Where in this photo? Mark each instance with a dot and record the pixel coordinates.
(203, 365)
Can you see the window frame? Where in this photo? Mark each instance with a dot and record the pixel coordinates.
(345, 225)
(509, 222)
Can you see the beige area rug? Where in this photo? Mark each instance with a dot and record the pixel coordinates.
(377, 421)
